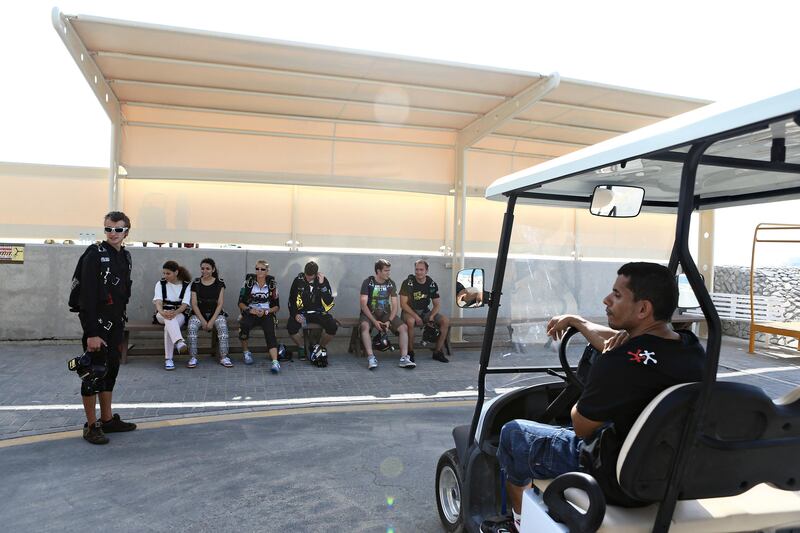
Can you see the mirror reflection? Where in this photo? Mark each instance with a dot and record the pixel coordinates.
(686, 297)
(469, 287)
(621, 201)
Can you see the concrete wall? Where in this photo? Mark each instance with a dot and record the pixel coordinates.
(33, 295)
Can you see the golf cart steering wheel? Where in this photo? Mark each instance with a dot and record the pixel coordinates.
(572, 378)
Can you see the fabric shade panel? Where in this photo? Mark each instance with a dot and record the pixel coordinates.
(542, 231)
(198, 211)
(382, 220)
(567, 232)
(275, 151)
(52, 202)
(263, 215)
(647, 237)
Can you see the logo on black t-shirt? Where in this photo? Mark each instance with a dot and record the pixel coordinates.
(643, 357)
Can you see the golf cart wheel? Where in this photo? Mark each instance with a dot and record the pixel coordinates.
(448, 492)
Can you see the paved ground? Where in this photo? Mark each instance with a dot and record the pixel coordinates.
(241, 449)
(38, 394)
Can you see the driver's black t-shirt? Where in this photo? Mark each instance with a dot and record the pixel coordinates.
(623, 381)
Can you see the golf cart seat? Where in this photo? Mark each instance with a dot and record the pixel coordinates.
(743, 471)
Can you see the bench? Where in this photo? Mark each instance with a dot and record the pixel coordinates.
(768, 314)
(311, 333)
(136, 326)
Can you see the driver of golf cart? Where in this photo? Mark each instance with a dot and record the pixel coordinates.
(637, 356)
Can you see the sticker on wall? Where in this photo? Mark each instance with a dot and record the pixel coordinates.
(12, 253)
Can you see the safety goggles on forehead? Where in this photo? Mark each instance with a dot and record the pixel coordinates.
(115, 230)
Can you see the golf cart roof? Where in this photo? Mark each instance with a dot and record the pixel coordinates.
(746, 165)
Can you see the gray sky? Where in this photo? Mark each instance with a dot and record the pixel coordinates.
(705, 49)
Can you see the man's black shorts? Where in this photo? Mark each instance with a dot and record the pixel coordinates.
(325, 320)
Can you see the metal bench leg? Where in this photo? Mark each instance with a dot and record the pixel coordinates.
(307, 343)
(126, 337)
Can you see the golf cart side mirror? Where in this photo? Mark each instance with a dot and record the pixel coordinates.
(686, 297)
(620, 201)
(469, 288)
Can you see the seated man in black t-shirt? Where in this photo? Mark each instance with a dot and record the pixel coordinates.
(641, 356)
(421, 304)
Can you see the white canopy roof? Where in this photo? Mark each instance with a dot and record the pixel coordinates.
(183, 80)
(735, 170)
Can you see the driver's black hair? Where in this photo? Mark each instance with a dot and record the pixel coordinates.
(654, 283)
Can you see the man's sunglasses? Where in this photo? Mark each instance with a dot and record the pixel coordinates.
(115, 230)
(262, 269)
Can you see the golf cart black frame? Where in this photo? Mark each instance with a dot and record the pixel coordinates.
(687, 203)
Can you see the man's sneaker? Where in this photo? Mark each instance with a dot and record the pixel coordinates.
(248, 358)
(439, 356)
(406, 362)
(226, 362)
(411, 355)
(499, 524)
(117, 425)
(169, 365)
(94, 433)
(192, 362)
(276, 367)
(323, 353)
(181, 347)
(372, 362)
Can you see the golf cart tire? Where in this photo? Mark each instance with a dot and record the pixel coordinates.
(449, 492)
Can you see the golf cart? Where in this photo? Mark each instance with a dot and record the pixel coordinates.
(708, 456)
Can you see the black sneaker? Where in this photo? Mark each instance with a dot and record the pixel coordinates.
(499, 524)
(439, 356)
(116, 425)
(411, 356)
(94, 433)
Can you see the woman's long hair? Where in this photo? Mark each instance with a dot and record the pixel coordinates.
(183, 274)
(210, 262)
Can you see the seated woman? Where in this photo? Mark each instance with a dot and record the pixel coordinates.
(259, 304)
(208, 293)
(172, 299)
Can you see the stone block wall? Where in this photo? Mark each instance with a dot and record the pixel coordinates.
(783, 282)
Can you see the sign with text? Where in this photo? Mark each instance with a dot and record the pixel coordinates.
(12, 253)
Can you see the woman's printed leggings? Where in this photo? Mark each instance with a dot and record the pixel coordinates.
(221, 323)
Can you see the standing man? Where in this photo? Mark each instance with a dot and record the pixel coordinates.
(416, 295)
(379, 309)
(105, 288)
(310, 299)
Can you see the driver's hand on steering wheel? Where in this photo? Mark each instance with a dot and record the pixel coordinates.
(558, 325)
(618, 339)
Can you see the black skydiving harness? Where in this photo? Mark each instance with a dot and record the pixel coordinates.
(108, 277)
(171, 305)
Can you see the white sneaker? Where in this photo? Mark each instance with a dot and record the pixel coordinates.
(181, 347)
(169, 365)
(373, 362)
(406, 362)
(226, 362)
(192, 362)
(248, 358)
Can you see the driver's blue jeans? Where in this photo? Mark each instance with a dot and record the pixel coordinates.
(530, 450)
